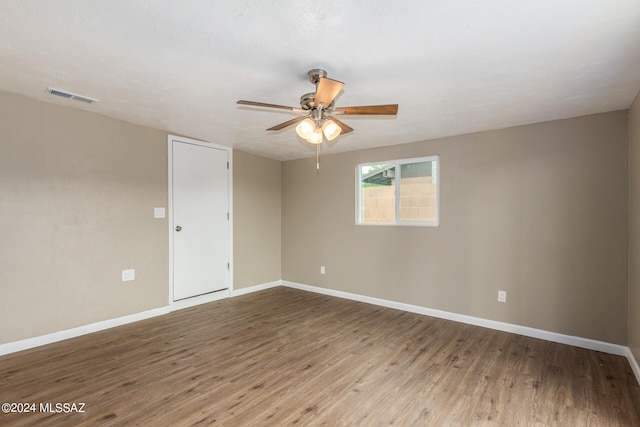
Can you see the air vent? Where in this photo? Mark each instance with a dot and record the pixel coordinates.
(69, 95)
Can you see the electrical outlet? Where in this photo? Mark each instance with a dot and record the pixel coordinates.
(322, 270)
(128, 275)
(502, 296)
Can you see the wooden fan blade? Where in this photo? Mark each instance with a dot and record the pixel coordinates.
(327, 90)
(288, 123)
(345, 128)
(262, 104)
(389, 109)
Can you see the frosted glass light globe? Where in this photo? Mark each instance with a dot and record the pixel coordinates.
(331, 130)
(316, 137)
(305, 128)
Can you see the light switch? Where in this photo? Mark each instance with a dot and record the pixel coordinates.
(158, 212)
(128, 275)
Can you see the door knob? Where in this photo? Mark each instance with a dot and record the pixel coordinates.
(178, 228)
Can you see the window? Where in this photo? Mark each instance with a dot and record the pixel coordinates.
(400, 192)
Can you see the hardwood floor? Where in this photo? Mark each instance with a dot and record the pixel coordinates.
(287, 357)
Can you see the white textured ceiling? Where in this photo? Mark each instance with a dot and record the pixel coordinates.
(454, 67)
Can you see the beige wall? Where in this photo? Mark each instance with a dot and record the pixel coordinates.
(539, 211)
(634, 228)
(77, 192)
(256, 219)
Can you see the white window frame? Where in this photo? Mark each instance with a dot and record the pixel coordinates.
(398, 179)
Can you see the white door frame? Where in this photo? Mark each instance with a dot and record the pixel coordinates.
(215, 295)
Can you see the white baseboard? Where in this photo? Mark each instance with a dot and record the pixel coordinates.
(256, 288)
(634, 364)
(28, 343)
(477, 321)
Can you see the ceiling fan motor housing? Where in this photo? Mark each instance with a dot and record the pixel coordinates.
(316, 74)
(308, 100)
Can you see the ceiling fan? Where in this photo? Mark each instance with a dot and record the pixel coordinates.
(318, 110)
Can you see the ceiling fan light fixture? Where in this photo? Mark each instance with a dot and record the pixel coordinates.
(331, 130)
(316, 137)
(306, 128)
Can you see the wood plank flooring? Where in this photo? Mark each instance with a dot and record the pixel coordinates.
(286, 357)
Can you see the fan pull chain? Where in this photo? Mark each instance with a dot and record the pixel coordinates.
(318, 159)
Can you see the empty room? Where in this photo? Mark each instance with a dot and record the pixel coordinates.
(270, 213)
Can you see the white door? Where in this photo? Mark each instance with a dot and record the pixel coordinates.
(200, 207)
